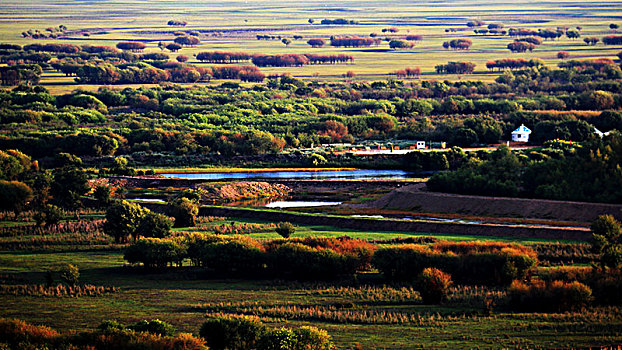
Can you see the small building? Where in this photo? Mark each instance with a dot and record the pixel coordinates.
(521, 134)
(420, 144)
(601, 134)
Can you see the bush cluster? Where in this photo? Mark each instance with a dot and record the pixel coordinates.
(308, 258)
(555, 296)
(15, 334)
(469, 262)
(242, 333)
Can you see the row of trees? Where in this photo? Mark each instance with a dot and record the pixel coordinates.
(458, 44)
(455, 68)
(286, 60)
(408, 72)
(521, 46)
(353, 41)
(55, 48)
(20, 74)
(511, 63)
(223, 57)
(297, 60)
(143, 73)
(612, 40)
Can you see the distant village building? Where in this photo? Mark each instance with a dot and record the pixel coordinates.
(600, 133)
(521, 134)
(420, 144)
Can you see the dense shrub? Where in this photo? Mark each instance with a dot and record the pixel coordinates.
(433, 285)
(277, 339)
(110, 335)
(285, 229)
(406, 262)
(232, 333)
(469, 263)
(156, 252)
(184, 211)
(357, 253)
(240, 255)
(154, 225)
(154, 327)
(555, 296)
(294, 260)
(606, 284)
(123, 219)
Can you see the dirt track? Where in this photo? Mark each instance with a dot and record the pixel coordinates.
(415, 198)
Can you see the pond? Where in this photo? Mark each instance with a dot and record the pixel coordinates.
(324, 174)
(300, 204)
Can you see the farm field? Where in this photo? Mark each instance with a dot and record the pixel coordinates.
(230, 26)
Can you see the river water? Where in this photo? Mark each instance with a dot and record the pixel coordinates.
(299, 175)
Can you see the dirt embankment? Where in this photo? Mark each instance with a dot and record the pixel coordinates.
(415, 198)
(390, 225)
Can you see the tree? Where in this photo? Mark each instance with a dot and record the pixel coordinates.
(608, 120)
(187, 40)
(465, 137)
(316, 159)
(614, 26)
(173, 47)
(400, 44)
(131, 46)
(607, 241)
(184, 211)
(13, 164)
(316, 42)
(14, 196)
(591, 40)
(311, 21)
(563, 55)
(68, 185)
(573, 34)
(49, 215)
(154, 225)
(123, 220)
(103, 195)
(70, 274)
(285, 229)
(286, 41)
(182, 58)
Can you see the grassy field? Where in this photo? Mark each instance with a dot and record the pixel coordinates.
(375, 315)
(232, 26)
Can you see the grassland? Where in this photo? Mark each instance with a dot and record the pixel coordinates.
(233, 26)
(362, 312)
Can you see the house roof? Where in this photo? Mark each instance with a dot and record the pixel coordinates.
(522, 129)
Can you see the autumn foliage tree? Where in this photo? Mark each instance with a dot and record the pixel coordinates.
(132, 46)
(458, 44)
(352, 41)
(316, 42)
(521, 46)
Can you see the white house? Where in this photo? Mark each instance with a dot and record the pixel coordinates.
(420, 144)
(521, 134)
(600, 133)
